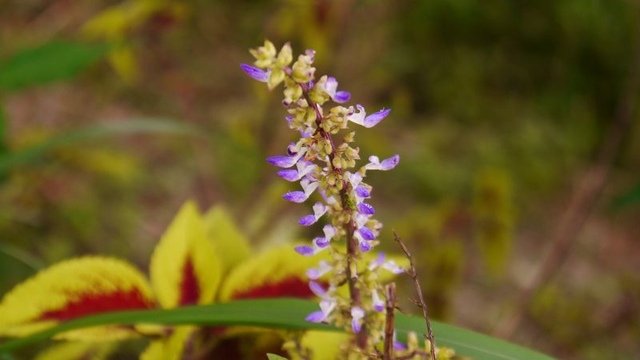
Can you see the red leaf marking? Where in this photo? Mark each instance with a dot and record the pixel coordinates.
(189, 288)
(287, 287)
(95, 303)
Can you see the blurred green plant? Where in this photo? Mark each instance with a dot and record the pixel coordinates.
(38, 152)
(49, 62)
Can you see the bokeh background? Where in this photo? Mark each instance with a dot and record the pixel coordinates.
(516, 122)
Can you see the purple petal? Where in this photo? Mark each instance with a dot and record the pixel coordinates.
(366, 209)
(366, 233)
(378, 307)
(289, 175)
(356, 319)
(295, 196)
(390, 163)
(321, 241)
(304, 250)
(342, 97)
(365, 246)
(307, 220)
(255, 73)
(373, 119)
(282, 161)
(378, 261)
(363, 192)
(317, 289)
(316, 317)
(355, 326)
(397, 345)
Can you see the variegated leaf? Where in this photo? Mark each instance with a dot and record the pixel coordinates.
(185, 267)
(72, 289)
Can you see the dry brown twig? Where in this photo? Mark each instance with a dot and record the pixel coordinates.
(413, 274)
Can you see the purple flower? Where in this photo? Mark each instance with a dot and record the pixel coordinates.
(256, 73)
(331, 88)
(363, 191)
(317, 289)
(302, 196)
(326, 307)
(366, 209)
(386, 164)
(366, 233)
(305, 250)
(389, 265)
(322, 241)
(296, 196)
(319, 209)
(327, 304)
(365, 246)
(316, 273)
(378, 303)
(357, 314)
(303, 168)
(360, 117)
(286, 161)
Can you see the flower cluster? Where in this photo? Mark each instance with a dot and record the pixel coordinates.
(326, 166)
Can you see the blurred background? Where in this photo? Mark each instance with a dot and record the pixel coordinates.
(519, 185)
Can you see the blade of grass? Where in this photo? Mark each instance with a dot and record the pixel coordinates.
(134, 126)
(288, 314)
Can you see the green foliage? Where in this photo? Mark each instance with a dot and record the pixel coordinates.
(52, 61)
(285, 314)
(38, 152)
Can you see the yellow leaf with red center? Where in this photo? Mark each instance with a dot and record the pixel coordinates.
(226, 238)
(185, 267)
(278, 272)
(73, 289)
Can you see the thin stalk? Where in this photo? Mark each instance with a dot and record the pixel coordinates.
(352, 246)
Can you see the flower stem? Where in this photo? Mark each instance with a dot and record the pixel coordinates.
(349, 227)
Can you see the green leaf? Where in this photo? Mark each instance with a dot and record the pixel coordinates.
(275, 357)
(135, 126)
(286, 314)
(53, 61)
(466, 342)
(628, 198)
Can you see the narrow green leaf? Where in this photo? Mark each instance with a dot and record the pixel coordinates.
(287, 314)
(467, 342)
(52, 61)
(275, 357)
(133, 126)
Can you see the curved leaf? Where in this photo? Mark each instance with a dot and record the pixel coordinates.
(288, 314)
